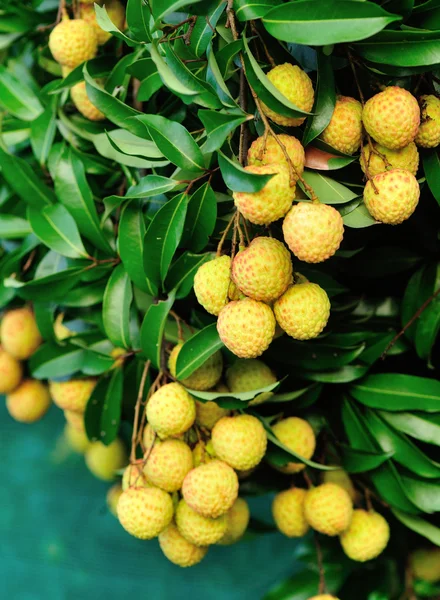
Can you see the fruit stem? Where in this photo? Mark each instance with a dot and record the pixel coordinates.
(322, 586)
(266, 51)
(178, 323)
(225, 233)
(368, 499)
(136, 411)
(246, 229)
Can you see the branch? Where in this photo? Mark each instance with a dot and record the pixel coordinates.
(137, 410)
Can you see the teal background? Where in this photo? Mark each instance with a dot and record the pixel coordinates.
(58, 541)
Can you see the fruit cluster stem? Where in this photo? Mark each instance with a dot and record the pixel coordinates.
(224, 235)
(134, 436)
(322, 586)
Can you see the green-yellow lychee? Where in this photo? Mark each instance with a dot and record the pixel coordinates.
(428, 135)
(298, 436)
(366, 536)
(246, 327)
(237, 519)
(80, 99)
(134, 476)
(425, 563)
(240, 441)
(313, 231)
(19, 333)
(76, 439)
(303, 311)
(246, 375)
(263, 271)
(270, 152)
(344, 132)
(115, 11)
(392, 117)
(211, 284)
(104, 461)
(341, 478)
(11, 372)
(72, 42)
(197, 529)
(145, 512)
(392, 197)
(171, 410)
(296, 86)
(211, 489)
(112, 498)
(177, 548)
(168, 464)
(328, 509)
(288, 512)
(149, 437)
(73, 394)
(208, 413)
(75, 419)
(203, 378)
(29, 401)
(382, 159)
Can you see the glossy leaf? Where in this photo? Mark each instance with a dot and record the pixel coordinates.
(103, 410)
(12, 227)
(116, 307)
(152, 330)
(200, 218)
(407, 48)
(43, 130)
(431, 167)
(247, 10)
(52, 361)
(324, 101)
(329, 191)
(17, 98)
(360, 461)
(218, 127)
(420, 526)
(397, 391)
(421, 426)
(181, 274)
(196, 351)
(138, 17)
(238, 179)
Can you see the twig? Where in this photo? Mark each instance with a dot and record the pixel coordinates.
(225, 233)
(179, 326)
(28, 263)
(368, 499)
(263, 43)
(322, 586)
(137, 409)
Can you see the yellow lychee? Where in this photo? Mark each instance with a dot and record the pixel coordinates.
(288, 512)
(149, 437)
(112, 498)
(145, 512)
(428, 135)
(134, 476)
(324, 597)
(178, 550)
(75, 419)
(313, 231)
(115, 11)
(168, 464)
(263, 271)
(392, 197)
(29, 401)
(296, 86)
(303, 311)
(366, 536)
(298, 436)
(406, 158)
(328, 509)
(77, 440)
(103, 461)
(73, 394)
(341, 478)
(392, 117)
(273, 201)
(72, 42)
(19, 333)
(11, 372)
(237, 519)
(269, 151)
(344, 132)
(80, 99)
(203, 378)
(240, 441)
(61, 331)
(246, 327)
(208, 413)
(211, 489)
(425, 563)
(171, 410)
(197, 529)
(246, 375)
(211, 284)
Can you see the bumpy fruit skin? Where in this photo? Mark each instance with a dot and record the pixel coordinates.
(199, 530)
(76, 439)
(73, 394)
(396, 199)
(263, 271)
(11, 372)
(428, 135)
(328, 509)
(145, 512)
(288, 512)
(366, 536)
(19, 333)
(344, 132)
(240, 441)
(392, 117)
(134, 476)
(171, 410)
(272, 153)
(237, 519)
(112, 498)
(29, 401)
(299, 437)
(211, 489)
(79, 96)
(149, 437)
(312, 231)
(115, 11)
(168, 464)
(208, 413)
(303, 311)
(103, 461)
(203, 378)
(406, 158)
(296, 85)
(246, 327)
(72, 42)
(75, 419)
(211, 284)
(341, 478)
(178, 550)
(425, 563)
(246, 375)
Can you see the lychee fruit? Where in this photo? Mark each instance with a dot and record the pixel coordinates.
(324, 597)
(428, 135)
(72, 395)
(313, 231)
(298, 436)
(177, 548)
(115, 11)
(112, 498)
(328, 509)
(273, 201)
(11, 372)
(171, 410)
(269, 151)
(303, 311)
(344, 132)
(288, 512)
(76, 439)
(383, 159)
(72, 42)
(208, 413)
(211, 489)
(19, 333)
(392, 117)
(425, 563)
(145, 512)
(237, 520)
(211, 284)
(149, 437)
(296, 86)
(263, 271)
(103, 461)
(75, 419)
(80, 99)
(246, 375)
(203, 378)
(134, 476)
(366, 536)
(197, 529)
(341, 478)
(29, 401)
(240, 441)
(168, 464)
(392, 197)
(246, 327)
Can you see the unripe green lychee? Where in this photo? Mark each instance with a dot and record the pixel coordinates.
(134, 476)
(72, 42)
(246, 375)
(112, 498)
(406, 158)
(178, 550)
(270, 203)
(270, 152)
(211, 489)
(197, 529)
(341, 478)
(80, 99)
(425, 563)
(211, 284)
(328, 509)
(428, 135)
(145, 512)
(77, 440)
(240, 441)
(203, 378)
(296, 86)
(344, 132)
(237, 520)
(19, 333)
(73, 394)
(366, 536)
(75, 419)
(392, 117)
(103, 461)
(208, 413)
(171, 410)
(168, 464)
(396, 199)
(29, 401)
(288, 512)
(263, 271)
(115, 11)
(313, 231)
(298, 436)
(246, 327)
(303, 311)
(11, 372)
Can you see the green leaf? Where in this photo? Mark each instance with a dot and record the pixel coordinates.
(236, 399)
(345, 374)
(383, 260)
(103, 411)
(325, 99)
(51, 361)
(419, 525)
(311, 355)
(44, 315)
(428, 326)
(407, 48)
(169, 79)
(146, 71)
(161, 8)
(200, 218)
(85, 295)
(329, 191)
(152, 330)
(238, 179)
(181, 274)
(418, 425)
(105, 22)
(423, 494)
(359, 218)
(360, 461)
(431, 167)
(419, 289)
(396, 391)
(138, 17)
(116, 307)
(17, 98)
(12, 227)
(43, 130)
(204, 29)
(58, 283)
(218, 127)
(196, 351)
(247, 10)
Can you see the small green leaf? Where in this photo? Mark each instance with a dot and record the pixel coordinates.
(58, 283)
(419, 525)
(204, 29)
(359, 218)
(105, 22)
(424, 427)
(138, 20)
(43, 130)
(200, 218)
(103, 411)
(181, 274)
(238, 179)
(218, 127)
(360, 461)
(324, 101)
(116, 307)
(247, 10)
(329, 191)
(51, 361)
(397, 391)
(196, 351)
(152, 330)
(12, 227)
(17, 98)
